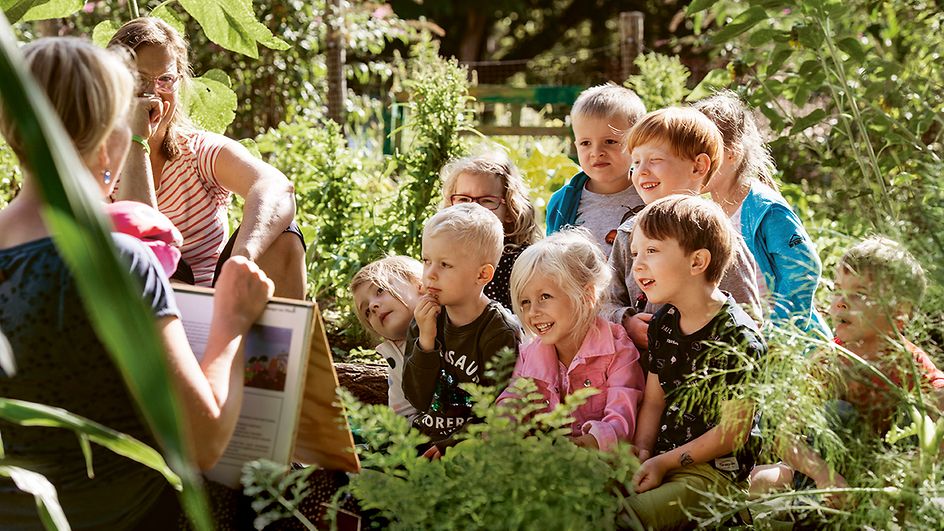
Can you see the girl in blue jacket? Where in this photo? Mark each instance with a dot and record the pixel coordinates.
(745, 189)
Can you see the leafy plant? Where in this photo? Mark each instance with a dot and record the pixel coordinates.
(515, 470)
(661, 80)
(277, 491)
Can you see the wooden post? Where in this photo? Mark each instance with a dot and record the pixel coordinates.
(631, 36)
(334, 60)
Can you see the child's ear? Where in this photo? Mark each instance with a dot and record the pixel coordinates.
(700, 260)
(701, 166)
(486, 272)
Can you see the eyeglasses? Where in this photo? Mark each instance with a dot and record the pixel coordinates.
(164, 83)
(490, 202)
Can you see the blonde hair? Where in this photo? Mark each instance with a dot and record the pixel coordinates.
(523, 229)
(891, 268)
(472, 228)
(150, 31)
(573, 260)
(736, 123)
(694, 223)
(90, 89)
(687, 132)
(609, 100)
(384, 274)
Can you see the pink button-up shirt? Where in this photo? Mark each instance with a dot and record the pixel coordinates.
(607, 360)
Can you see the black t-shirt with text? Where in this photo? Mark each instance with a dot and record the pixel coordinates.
(431, 378)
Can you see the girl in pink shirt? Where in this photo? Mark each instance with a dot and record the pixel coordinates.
(556, 286)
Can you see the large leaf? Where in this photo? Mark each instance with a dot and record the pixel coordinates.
(103, 32)
(814, 117)
(30, 414)
(15, 10)
(47, 501)
(211, 103)
(111, 297)
(233, 25)
(699, 5)
(164, 13)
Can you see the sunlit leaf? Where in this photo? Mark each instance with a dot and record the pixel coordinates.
(211, 103)
(164, 13)
(53, 9)
(103, 32)
(232, 25)
(47, 501)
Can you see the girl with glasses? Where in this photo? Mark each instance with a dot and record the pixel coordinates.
(492, 180)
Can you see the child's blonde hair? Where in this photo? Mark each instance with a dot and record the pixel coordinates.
(473, 229)
(384, 274)
(90, 88)
(741, 135)
(152, 31)
(523, 229)
(573, 260)
(609, 100)
(694, 223)
(889, 266)
(687, 132)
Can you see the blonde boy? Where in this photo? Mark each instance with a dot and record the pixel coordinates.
(601, 196)
(456, 329)
(683, 245)
(385, 295)
(674, 151)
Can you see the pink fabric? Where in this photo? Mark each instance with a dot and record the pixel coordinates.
(149, 226)
(608, 361)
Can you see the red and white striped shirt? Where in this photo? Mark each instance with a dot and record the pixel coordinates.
(196, 203)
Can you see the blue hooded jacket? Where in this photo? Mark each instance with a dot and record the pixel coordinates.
(785, 255)
(562, 206)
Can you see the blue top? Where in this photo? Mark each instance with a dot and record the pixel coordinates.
(785, 255)
(562, 207)
(61, 362)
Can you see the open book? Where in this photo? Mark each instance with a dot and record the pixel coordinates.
(287, 412)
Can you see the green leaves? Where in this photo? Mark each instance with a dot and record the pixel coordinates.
(30, 414)
(16, 10)
(741, 23)
(211, 103)
(232, 25)
(47, 501)
(103, 32)
(714, 81)
(699, 5)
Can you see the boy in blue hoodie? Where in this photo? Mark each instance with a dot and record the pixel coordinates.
(601, 196)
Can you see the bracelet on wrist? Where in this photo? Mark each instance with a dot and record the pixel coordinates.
(138, 139)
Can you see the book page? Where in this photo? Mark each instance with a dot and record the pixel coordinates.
(276, 355)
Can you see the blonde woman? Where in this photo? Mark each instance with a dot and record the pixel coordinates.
(61, 362)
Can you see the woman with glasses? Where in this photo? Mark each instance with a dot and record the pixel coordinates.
(492, 180)
(190, 175)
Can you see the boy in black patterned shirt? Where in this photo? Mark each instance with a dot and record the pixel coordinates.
(681, 246)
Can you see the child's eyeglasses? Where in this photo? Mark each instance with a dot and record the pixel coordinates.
(164, 83)
(490, 202)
